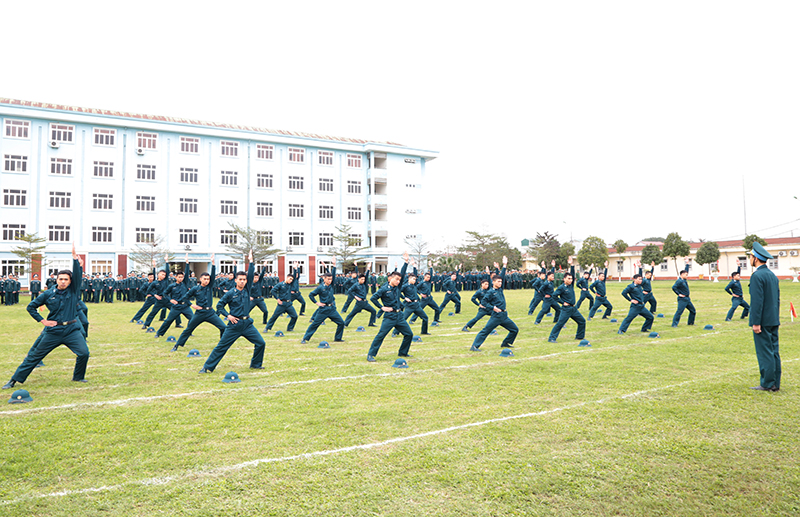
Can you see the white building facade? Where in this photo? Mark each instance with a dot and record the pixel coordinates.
(109, 180)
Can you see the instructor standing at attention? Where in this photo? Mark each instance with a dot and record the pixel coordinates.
(765, 301)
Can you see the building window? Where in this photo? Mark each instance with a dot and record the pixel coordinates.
(264, 209)
(325, 157)
(103, 169)
(17, 128)
(325, 212)
(354, 161)
(145, 203)
(190, 145)
(101, 234)
(620, 266)
(355, 239)
(228, 207)
(772, 263)
(147, 140)
(326, 239)
(264, 238)
(188, 175)
(295, 210)
(297, 155)
(14, 197)
(145, 172)
(57, 233)
(227, 237)
(61, 166)
(665, 265)
(101, 267)
(354, 213)
(295, 183)
(104, 137)
(60, 199)
(61, 132)
(325, 185)
(187, 236)
(229, 178)
(145, 234)
(13, 231)
(15, 163)
(102, 201)
(264, 151)
(188, 205)
(227, 266)
(742, 263)
(354, 187)
(413, 185)
(12, 267)
(296, 239)
(229, 148)
(263, 180)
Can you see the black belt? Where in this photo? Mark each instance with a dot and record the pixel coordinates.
(206, 308)
(65, 323)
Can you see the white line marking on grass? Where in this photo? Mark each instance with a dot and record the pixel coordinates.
(215, 472)
(154, 398)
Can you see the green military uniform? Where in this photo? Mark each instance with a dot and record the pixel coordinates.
(765, 304)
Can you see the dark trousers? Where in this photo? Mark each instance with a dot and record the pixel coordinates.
(162, 304)
(233, 331)
(585, 296)
(174, 311)
(769, 358)
(416, 309)
(546, 306)
(478, 317)
(568, 313)
(428, 302)
(203, 315)
(321, 315)
(601, 301)
(684, 303)
(392, 320)
(299, 297)
(69, 336)
(148, 302)
(537, 299)
(280, 309)
(363, 305)
(455, 298)
(736, 301)
(262, 307)
(637, 309)
(498, 319)
(350, 299)
(650, 300)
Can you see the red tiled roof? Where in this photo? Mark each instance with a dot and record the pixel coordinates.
(161, 118)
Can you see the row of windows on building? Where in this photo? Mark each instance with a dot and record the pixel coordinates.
(148, 141)
(105, 234)
(101, 169)
(187, 205)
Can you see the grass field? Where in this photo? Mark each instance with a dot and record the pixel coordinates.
(630, 426)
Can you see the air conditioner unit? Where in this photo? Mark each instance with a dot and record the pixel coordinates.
(140, 151)
(781, 253)
(793, 253)
(54, 144)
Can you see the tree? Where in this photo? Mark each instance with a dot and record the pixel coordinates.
(545, 247)
(564, 253)
(348, 248)
(675, 247)
(249, 239)
(750, 239)
(651, 254)
(653, 239)
(419, 250)
(148, 250)
(593, 251)
(707, 254)
(447, 263)
(484, 249)
(30, 253)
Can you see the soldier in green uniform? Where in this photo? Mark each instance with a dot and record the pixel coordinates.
(387, 300)
(765, 304)
(734, 288)
(598, 287)
(565, 295)
(583, 285)
(35, 287)
(681, 288)
(547, 291)
(327, 307)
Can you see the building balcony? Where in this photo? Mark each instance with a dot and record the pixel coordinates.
(377, 175)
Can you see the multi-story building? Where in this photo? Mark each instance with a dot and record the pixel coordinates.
(108, 180)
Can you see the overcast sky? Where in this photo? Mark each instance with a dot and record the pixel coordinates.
(617, 119)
